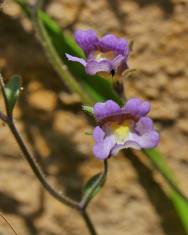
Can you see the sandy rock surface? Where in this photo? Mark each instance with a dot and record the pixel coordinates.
(51, 121)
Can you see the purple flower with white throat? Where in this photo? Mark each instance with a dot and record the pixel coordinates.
(123, 127)
(108, 54)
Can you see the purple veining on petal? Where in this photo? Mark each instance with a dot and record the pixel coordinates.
(87, 40)
(117, 61)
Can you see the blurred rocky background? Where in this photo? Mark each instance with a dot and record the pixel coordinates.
(134, 200)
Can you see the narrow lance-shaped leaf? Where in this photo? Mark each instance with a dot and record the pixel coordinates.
(12, 90)
(88, 188)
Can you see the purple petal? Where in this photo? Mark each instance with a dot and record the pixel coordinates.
(102, 150)
(149, 139)
(137, 107)
(76, 59)
(145, 124)
(119, 64)
(87, 40)
(117, 61)
(98, 134)
(93, 67)
(112, 43)
(102, 110)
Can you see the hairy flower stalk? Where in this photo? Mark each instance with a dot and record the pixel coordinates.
(107, 55)
(122, 127)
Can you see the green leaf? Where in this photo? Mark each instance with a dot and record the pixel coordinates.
(91, 183)
(178, 199)
(12, 90)
(181, 207)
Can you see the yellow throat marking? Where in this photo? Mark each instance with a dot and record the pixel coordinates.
(121, 132)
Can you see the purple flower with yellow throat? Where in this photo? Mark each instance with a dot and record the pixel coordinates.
(123, 127)
(108, 54)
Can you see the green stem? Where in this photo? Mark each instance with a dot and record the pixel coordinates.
(88, 196)
(54, 58)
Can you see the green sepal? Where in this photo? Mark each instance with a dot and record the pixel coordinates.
(88, 109)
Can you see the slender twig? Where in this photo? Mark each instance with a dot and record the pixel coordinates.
(88, 222)
(41, 177)
(28, 156)
(101, 179)
(8, 224)
(53, 56)
(80, 207)
(37, 170)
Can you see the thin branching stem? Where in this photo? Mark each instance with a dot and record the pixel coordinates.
(30, 159)
(43, 180)
(88, 222)
(8, 119)
(37, 170)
